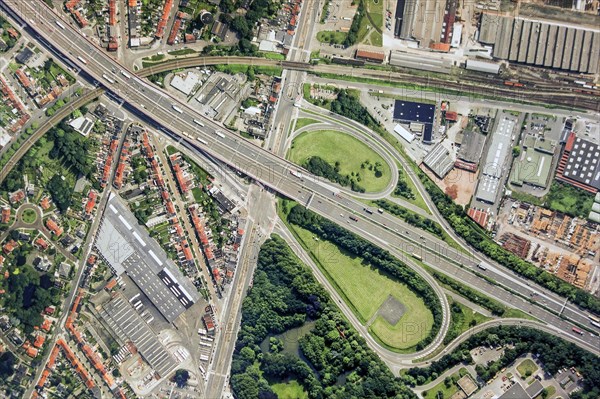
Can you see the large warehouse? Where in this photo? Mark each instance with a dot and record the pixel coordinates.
(413, 113)
(580, 164)
(129, 249)
(542, 43)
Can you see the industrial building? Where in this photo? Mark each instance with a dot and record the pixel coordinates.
(533, 167)
(439, 160)
(128, 249)
(420, 61)
(483, 66)
(489, 182)
(370, 56)
(542, 43)
(428, 22)
(579, 165)
(419, 116)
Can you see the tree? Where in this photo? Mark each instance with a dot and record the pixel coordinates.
(516, 151)
(7, 362)
(181, 377)
(61, 192)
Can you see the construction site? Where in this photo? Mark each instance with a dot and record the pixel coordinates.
(565, 246)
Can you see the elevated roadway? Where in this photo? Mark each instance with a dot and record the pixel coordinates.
(272, 171)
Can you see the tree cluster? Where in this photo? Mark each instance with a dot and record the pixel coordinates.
(352, 35)
(286, 295)
(470, 294)
(402, 188)
(374, 256)
(74, 149)
(26, 296)
(60, 191)
(348, 105)
(554, 353)
(320, 167)
(411, 218)
(478, 239)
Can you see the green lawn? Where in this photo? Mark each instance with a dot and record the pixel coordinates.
(445, 392)
(289, 390)
(29, 216)
(301, 122)
(526, 368)
(339, 147)
(367, 32)
(365, 289)
(183, 51)
(328, 36)
(274, 56)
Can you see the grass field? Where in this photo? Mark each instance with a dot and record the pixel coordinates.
(526, 368)
(444, 392)
(301, 122)
(289, 390)
(334, 146)
(471, 318)
(328, 36)
(367, 34)
(183, 51)
(408, 332)
(273, 56)
(365, 289)
(29, 216)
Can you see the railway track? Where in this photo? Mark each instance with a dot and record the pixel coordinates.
(533, 92)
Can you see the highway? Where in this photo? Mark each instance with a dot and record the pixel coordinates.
(270, 169)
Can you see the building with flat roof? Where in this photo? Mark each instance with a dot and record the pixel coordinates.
(412, 112)
(185, 83)
(532, 168)
(491, 170)
(579, 165)
(129, 249)
(515, 392)
(483, 66)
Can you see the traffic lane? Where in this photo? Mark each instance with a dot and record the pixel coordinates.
(95, 52)
(385, 237)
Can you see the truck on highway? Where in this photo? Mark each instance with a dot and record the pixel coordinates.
(60, 25)
(379, 210)
(128, 76)
(296, 174)
(482, 265)
(370, 212)
(352, 217)
(197, 122)
(595, 324)
(417, 256)
(202, 141)
(220, 134)
(81, 59)
(108, 78)
(577, 331)
(594, 318)
(176, 108)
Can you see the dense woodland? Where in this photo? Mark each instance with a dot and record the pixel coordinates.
(375, 257)
(554, 353)
(349, 106)
(286, 295)
(478, 239)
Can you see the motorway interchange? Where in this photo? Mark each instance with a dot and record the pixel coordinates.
(179, 121)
